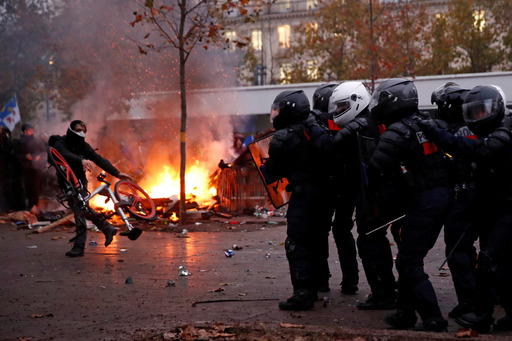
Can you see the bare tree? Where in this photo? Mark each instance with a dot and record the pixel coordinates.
(183, 25)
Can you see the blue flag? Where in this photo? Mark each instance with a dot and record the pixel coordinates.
(10, 115)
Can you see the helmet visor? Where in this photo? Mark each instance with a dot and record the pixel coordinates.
(380, 97)
(476, 111)
(342, 107)
(274, 111)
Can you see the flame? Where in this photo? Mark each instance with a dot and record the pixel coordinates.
(102, 202)
(164, 182)
(167, 183)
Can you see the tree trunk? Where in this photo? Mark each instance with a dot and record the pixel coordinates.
(183, 129)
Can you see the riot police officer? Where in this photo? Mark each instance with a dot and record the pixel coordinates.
(357, 187)
(341, 199)
(484, 112)
(403, 144)
(459, 235)
(292, 155)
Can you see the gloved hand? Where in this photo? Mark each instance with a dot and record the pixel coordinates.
(350, 129)
(311, 120)
(425, 123)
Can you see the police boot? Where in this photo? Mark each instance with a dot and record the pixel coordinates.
(461, 309)
(436, 324)
(504, 323)
(300, 300)
(109, 233)
(401, 319)
(378, 302)
(479, 322)
(76, 251)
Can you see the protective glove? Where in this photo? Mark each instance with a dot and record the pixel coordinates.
(425, 123)
(311, 120)
(350, 129)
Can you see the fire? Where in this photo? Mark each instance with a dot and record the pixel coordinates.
(164, 182)
(100, 201)
(167, 183)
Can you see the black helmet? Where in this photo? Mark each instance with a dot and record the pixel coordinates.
(393, 99)
(449, 98)
(289, 107)
(322, 95)
(484, 108)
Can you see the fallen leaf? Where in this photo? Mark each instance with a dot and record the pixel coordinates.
(216, 290)
(291, 325)
(466, 332)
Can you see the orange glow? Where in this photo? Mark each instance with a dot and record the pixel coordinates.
(99, 201)
(164, 182)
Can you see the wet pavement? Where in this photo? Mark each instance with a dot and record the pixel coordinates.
(132, 289)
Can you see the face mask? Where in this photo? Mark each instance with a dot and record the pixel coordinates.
(79, 133)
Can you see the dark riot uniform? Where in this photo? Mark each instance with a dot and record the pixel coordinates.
(74, 149)
(459, 233)
(344, 186)
(493, 219)
(404, 144)
(292, 155)
(374, 249)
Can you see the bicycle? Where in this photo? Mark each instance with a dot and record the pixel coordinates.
(128, 197)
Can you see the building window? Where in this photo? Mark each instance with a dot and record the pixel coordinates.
(311, 4)
(284, 36)
(256, 40)
(231, 37)
(284, 72)
(312, 69)
(284, 5)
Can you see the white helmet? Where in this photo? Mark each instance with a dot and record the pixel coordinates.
(347, 100)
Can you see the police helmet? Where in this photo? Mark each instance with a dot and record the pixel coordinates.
(347, 101)
(289, 107)
(449, 98)
(393, 99)
(484, 108)
(322, 95)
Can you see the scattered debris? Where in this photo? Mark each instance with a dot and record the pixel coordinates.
(216, 290)
(466, 332)
(291, 325)
(234, 300)
(182, 271)
(37, 316)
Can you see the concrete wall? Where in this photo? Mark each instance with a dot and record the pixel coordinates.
(256, 100)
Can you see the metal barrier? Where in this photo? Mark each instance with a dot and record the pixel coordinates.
(240, 190)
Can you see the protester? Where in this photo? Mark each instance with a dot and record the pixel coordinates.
(11, 187)
(80, 156)
(31, 152)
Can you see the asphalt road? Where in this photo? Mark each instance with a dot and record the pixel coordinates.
(132, 290)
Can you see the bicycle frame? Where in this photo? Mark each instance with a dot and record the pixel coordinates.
(106, 186)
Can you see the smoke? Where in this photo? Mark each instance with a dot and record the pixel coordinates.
(99, 40)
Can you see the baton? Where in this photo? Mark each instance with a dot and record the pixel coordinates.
(386, 224)
(454, 247)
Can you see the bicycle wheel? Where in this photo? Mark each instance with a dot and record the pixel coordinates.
(64, 171)
(140, 204)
